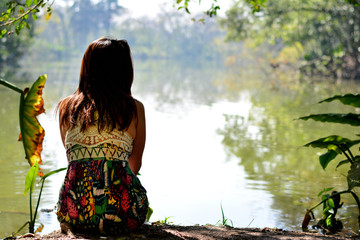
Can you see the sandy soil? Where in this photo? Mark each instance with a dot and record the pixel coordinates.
(173, 232)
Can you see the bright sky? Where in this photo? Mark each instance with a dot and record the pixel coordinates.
(151, 8)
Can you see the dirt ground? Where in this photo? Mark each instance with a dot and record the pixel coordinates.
(173, 232)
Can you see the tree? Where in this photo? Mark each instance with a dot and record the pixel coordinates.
(12, 48)
(88, 17)
(329, 31)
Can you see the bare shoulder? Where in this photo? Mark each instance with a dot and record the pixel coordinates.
(139, 106)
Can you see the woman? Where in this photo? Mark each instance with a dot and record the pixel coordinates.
(103, 130)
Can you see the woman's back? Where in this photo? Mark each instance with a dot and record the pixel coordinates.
(103, 130)
(100, 192)
(92, 144)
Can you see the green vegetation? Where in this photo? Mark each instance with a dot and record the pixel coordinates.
(12, 47)
(335, 146)
(327, 31)
(32, 135)
(226, 222)
(163, 222)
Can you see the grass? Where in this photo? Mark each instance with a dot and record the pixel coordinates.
(224, 220)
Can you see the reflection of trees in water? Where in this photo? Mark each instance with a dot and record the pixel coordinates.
(268, 143)
(172, 82)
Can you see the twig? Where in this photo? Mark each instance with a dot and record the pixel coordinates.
(22, 15)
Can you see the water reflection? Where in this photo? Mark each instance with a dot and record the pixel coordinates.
(206, 145)
(267, 144)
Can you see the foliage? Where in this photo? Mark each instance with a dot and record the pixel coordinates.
(12, 47)
(256, 6)
(149, 213)
(336, 145)
(224, 220)
(17, 13)
(32, 135)
(31, 105)
(328, 31)
(87, 17)
(163, 222)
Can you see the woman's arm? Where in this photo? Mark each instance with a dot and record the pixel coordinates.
(63, 130)
(63, 125)
(135, 158)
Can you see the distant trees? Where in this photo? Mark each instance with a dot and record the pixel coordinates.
(170, 36)
(88, 17)
(328, 31)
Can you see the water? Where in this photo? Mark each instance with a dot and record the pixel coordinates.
(208, 144)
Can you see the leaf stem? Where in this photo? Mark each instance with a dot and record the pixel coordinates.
(343, 151)
(10, 85)
(38, 201)
(338, 193)
(31, 223)
(13, 234)
(351, 155)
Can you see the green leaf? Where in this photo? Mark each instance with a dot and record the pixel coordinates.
(32, 134)
(332, 142)
(347, 99)
(350, 118)
(331, 203)
(327, 157)
(28, 3)
(353, 177)
(30, 178)
(324, 191)
(324, 197)
(149, 213)
(343, 162)
(329, 221)
(34, 16)
(26, 25)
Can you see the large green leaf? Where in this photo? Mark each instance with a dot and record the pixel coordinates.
(349, 118)
(347, 99)
(332, 142)
(327, 157)
(30, 178)
(32, 134)
(353, 177)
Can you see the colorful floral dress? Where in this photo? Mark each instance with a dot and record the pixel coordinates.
(100, 193)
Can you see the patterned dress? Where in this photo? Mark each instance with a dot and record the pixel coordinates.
(100, 193)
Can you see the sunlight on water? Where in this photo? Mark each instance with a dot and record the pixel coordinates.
(203, 150)
(184, 168)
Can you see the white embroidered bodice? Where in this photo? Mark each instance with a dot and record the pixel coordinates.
(90, 144)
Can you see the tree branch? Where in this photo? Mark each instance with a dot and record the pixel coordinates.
(22, 15)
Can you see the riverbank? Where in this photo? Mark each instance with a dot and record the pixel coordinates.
(173, 232)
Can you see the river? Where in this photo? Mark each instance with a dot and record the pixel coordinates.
(212, 140)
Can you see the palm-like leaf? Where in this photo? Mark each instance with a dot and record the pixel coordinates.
(349, 118)
(32, 134)
(332, 142)
(347, 99)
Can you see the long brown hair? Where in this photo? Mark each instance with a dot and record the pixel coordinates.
(106, 77)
